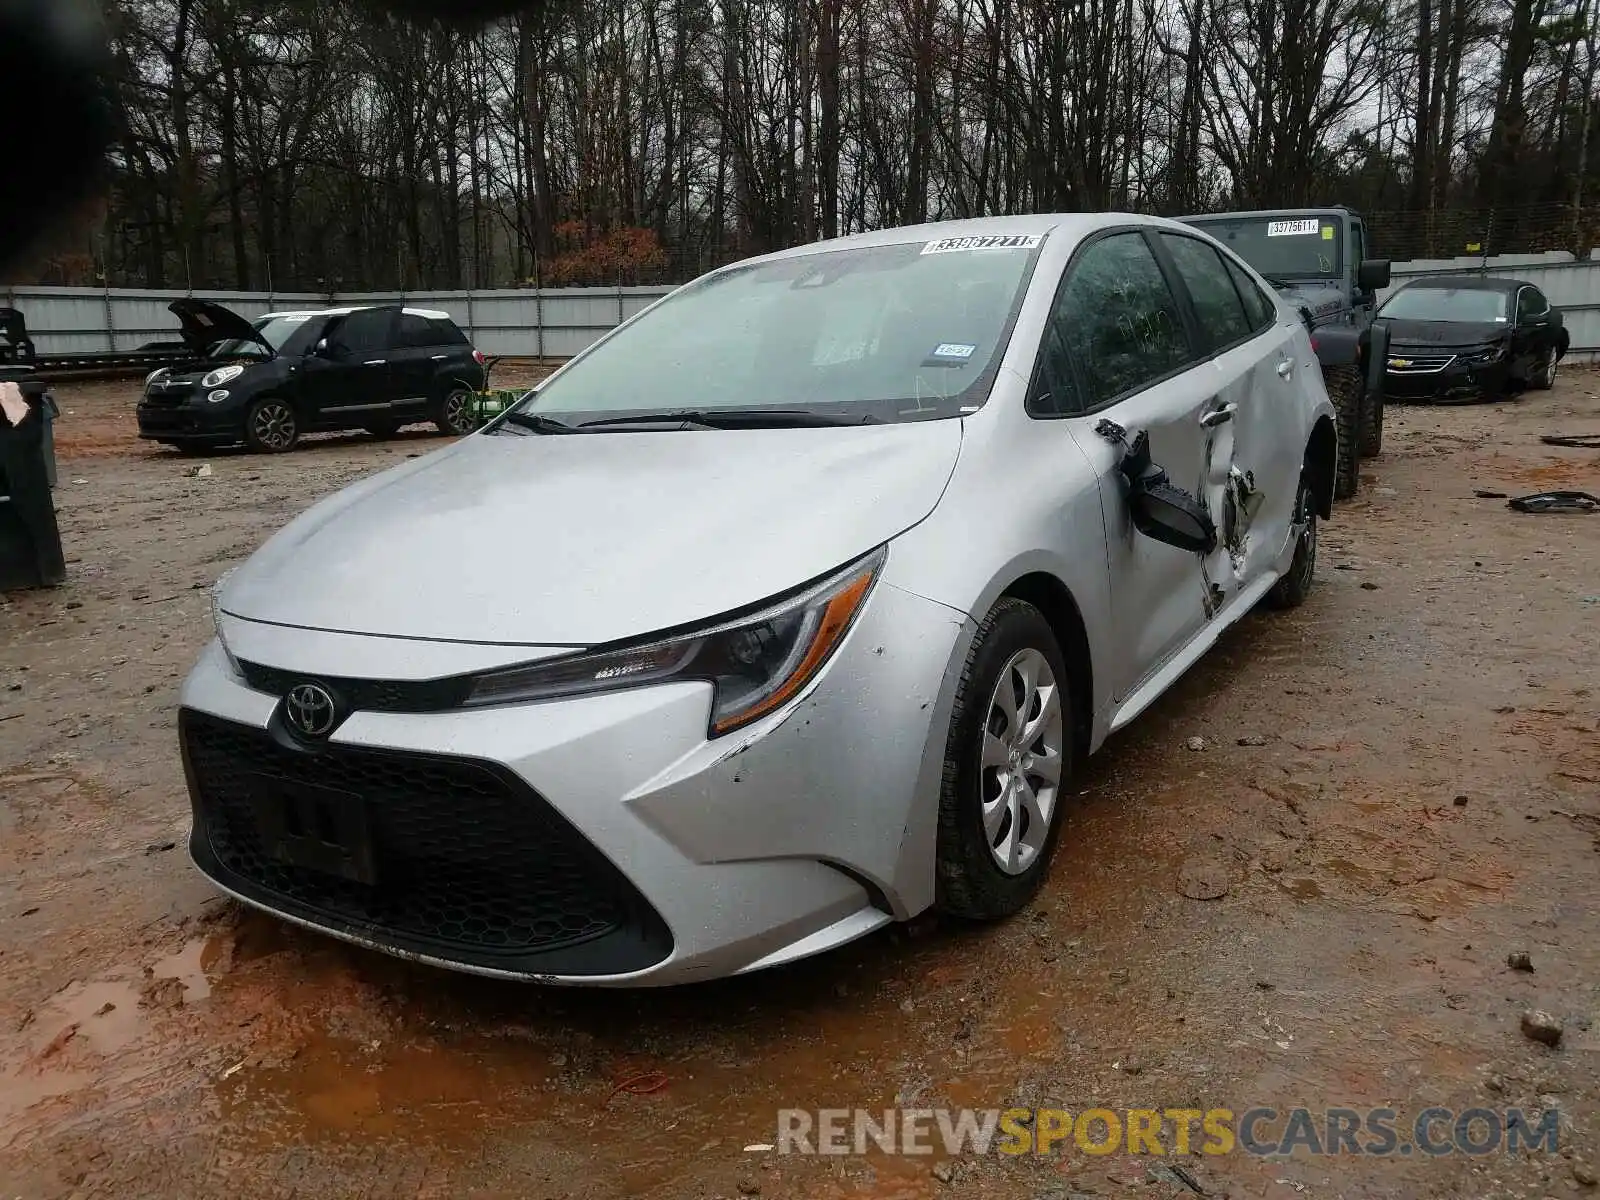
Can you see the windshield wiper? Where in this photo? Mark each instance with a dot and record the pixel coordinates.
(1277, 280)
(734, 418)
(539, 423)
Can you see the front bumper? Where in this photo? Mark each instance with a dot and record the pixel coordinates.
(189, 421)
(1456, 382)
(602, 840)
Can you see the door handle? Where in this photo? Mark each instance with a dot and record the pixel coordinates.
(439, 358)
(1219, 416)
(1286, 368)
(375, 362)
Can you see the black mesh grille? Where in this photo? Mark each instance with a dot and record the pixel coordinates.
(470, 865)
(366, 695)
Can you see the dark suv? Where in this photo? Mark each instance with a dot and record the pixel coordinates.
(293, 373)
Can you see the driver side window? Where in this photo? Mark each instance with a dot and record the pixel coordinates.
(1531, 302)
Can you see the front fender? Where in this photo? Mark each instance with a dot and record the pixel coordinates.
(1338, 346)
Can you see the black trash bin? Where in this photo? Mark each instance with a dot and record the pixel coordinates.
(30, 541)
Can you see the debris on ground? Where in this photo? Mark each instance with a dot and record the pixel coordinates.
(1560, 501)
(1196, 743)
(1519, 960)
(203, 471)
(1204, 880)
(1253, 739)
(1541, 1027)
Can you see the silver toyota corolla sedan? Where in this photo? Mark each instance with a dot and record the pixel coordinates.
(785, 611)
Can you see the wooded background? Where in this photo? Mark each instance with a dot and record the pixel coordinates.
(323, 144)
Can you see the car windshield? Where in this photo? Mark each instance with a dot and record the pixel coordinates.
(879, 333)
(1474, 305)
(1282, 247)
(275, 331)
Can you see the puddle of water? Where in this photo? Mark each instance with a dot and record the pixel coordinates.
(106, 1013)
(192, 966)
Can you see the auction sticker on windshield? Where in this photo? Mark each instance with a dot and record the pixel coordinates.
(989, 241)
(1291, 228)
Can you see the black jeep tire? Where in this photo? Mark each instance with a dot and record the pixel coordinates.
(1345, 389)
(1014, 644)
(1372, 426)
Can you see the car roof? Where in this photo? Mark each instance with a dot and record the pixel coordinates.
(431, 314)
(1466, 283)
(1073, 225)
(1280, 213)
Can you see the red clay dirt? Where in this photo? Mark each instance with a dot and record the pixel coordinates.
(1417, 796)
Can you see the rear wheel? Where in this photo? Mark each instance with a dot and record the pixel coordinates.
(1292, 589)
(1008, 760)
(456, 412)
(270, 426)
(1345, 387)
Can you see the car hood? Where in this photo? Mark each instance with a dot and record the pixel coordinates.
(1323, 300)
(205, 323)
(584, 539)
(1445, 333)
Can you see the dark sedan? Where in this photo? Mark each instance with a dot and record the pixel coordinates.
(1459, 338)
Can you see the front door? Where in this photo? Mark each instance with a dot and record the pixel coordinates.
(1126, 344)
(1257, 452)
(351, 380)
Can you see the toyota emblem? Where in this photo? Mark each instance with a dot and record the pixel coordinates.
(310, 710)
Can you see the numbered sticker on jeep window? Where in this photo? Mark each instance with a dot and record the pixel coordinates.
(1292, 228)
(990, 241)
(961, 350)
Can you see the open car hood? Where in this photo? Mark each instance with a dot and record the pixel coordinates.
(204, 324)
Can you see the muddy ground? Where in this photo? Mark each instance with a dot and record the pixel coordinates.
(1398, 785)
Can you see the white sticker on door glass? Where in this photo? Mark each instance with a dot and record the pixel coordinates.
(1292, 228)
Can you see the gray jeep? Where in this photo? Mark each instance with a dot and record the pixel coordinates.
(1317, 259)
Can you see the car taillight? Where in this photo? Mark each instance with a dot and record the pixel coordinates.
(477, 357)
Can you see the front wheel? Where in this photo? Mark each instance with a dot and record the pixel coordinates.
(1544, 374)
(1008, 763)
(1292, 589)
(456, 413)
(1345, 389)
(1372, 426)
(270, 427)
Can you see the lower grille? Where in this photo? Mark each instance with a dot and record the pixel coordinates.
(469, 865)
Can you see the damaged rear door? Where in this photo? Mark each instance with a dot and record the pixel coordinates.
(1257, 445)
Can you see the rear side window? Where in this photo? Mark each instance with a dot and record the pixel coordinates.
(1258, 306)
(1118, 319)
(363, 332)
(414, 331)
(446, 332)
(1217, 305)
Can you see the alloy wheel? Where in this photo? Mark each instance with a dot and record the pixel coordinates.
(273, 425)
(459, 418)
(1305, 531)
(1021, 761)
(1550, 370)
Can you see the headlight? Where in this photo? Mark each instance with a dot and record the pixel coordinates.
(216, 616)
(1492, 354)
(221, 376)
(755, 663)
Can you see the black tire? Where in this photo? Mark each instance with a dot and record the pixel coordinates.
(1345, 387)
(383, 429)
(1544, 372)
(969, 880)
(1372, 426)
(1292, 589)
(455, 414)
(271, 426)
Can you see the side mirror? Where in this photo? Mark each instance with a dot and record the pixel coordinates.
(1162, 511)
(1373, 274)
(321, 349)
